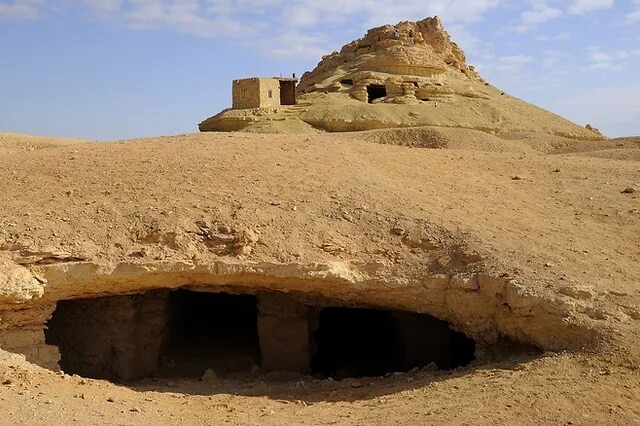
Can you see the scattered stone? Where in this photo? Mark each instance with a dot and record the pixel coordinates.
(606, 371)
(245, 241)
(224, 229)
(356, 384)
(557, 170)
(463, 283)
(7, 382)
(332, 248)
(630, 190)
(431, 367)
(517, 177)
(135, 410)
(549, 265)
(111, 399)
(208, 375)
(396, 230)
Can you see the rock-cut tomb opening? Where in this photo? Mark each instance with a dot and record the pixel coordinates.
(184, 333)
(376, 91)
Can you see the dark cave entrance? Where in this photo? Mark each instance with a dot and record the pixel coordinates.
(180, 333)
(215, 331)
(184, 333)
(376, 91)
(371, 342)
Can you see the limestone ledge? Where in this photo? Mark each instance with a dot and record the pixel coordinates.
(485, 307)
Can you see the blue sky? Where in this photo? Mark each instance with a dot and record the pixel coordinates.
(114, 69)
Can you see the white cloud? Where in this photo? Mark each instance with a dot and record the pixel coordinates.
(541, 12)
(262, 20)
(530, 19)
(598, 56)
(557, 37)
(21, 9)
(292, 45)
(600, 60)
(615, 60)
(553, 58)
(632, 17)
(578, 7)
(104, 6)
(509, 64)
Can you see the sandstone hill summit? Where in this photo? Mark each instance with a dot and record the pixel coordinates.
(408, 75)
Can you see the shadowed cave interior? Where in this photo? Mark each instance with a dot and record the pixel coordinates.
(184, 333)
(376, 91)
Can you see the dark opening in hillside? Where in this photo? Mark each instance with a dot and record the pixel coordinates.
(215, 331)
(370, 342)
(184, 333)
(376, 91)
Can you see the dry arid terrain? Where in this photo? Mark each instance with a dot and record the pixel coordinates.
(404, 244)
(527, 243)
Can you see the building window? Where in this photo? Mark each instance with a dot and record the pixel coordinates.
(244, 93)
(271, 93)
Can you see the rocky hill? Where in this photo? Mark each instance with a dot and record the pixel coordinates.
(407, 75)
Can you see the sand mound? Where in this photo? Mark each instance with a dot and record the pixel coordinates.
(443, 138)
(11, 142)
(617, 149)
(613, 154)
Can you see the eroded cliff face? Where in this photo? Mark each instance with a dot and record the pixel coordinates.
(410, 49)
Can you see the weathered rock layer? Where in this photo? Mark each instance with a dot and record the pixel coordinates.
(407, 75)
